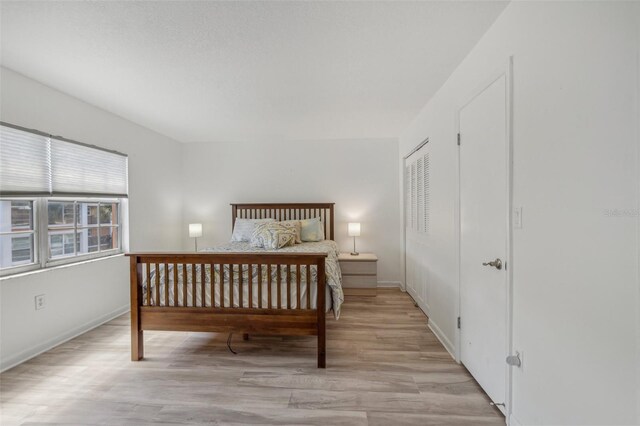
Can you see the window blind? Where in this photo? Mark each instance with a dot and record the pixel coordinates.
(82, 170)
(35, 164)
(25, 167)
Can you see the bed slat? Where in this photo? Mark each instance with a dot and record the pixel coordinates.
(193, 285)
(279, 286)
(221, 272)
(148, 268)
(157, 289)
(231, 286)
(212, 287)
(240, 286)
(298, 277)
(288, 286)
(308, 287)
(184, 285)
(269, 305)
(166, 285)
(203, 293)
(250, 286)
(175, 284)
(259, 286)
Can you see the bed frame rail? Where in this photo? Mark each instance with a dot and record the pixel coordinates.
(196, 292)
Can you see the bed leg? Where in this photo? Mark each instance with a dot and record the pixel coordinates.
(245, 336)
(137, 339)
(137, 345)
(322, 355)
(320, 311)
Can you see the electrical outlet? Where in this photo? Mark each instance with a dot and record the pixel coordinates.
(40, 301)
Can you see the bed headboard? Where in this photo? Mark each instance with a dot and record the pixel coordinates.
(286, 211)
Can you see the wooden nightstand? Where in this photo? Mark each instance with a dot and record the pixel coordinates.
(359, 274)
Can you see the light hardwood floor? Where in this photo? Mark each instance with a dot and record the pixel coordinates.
(384, 367)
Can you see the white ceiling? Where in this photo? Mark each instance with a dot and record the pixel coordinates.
(212, 71)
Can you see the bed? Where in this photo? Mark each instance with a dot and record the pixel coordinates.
(236, 288)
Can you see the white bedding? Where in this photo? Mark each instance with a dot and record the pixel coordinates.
(332, 270)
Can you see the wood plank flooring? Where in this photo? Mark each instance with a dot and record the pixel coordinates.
(385, 367)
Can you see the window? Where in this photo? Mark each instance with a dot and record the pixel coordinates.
(17, 233)
(82, 227)
(60, 201)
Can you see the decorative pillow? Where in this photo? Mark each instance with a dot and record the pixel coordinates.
(295, 225)
(243, 228)
(311, 230)
(273, 235)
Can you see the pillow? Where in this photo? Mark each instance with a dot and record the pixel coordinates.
(273, 235)
(311, 230)
(295, 225)
(243, 228)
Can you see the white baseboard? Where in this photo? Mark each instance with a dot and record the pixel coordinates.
(443, 339)
(19, 358)
(389, 284)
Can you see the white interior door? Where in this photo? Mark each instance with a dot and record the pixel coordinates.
(483, 238)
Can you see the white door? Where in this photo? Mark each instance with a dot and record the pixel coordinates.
(417, 208)
(412, 257)
(483, 238)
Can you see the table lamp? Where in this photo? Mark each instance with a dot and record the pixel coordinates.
(195, 231)
(354, 231)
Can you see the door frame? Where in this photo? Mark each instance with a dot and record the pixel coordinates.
(506, 71)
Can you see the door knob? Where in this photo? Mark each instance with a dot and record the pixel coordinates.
(495, 263)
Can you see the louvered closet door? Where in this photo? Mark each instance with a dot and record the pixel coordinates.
(416, 220)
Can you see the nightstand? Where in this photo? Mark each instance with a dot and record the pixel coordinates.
(359, 274)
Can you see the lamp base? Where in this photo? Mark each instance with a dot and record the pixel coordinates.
(354, 253)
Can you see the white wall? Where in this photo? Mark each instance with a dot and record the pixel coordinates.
(638, 207)
(81, 296)
(360, 176)
(575, 152)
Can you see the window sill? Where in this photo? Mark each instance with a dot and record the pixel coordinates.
(65, 265)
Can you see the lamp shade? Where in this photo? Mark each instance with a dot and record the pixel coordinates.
(354, 229)
(195, 230)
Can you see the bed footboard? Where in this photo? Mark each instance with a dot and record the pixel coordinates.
(230, 293)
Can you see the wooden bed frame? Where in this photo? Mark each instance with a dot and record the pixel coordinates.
(156, 310)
